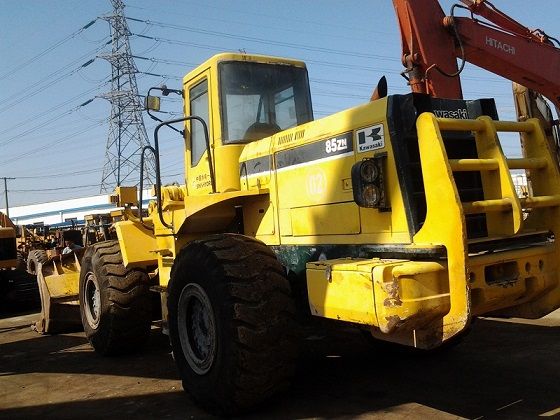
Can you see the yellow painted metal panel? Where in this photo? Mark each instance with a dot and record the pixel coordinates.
(444, 224)
(327, 181)
(315, 183)
(410, 298)
(285, 222)
(259, 217)
(370, 238)
(164, 270)
(63, 285)
(340, 294)
(401, 299)
(138, 245)
(332, 219)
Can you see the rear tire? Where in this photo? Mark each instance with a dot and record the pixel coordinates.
(21, 263)
(115, 303)
(231, 322)
(36, 257)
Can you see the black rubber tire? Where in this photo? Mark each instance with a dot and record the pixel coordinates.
(253, 315)
(21, 263)
(36, 257)
(123, 321)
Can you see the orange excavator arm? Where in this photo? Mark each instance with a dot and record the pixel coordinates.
(432, 43)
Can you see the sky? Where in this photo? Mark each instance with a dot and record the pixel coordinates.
(54, 145)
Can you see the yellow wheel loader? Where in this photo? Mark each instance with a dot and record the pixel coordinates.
(58, 273)
(18, 291)
(8, 245)
(8, 261)
(398, 217)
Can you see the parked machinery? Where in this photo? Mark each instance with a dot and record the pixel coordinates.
(398, 216)
(17, 289)
(8, 247)
(58, 273)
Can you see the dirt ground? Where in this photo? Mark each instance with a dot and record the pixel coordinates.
(502, 370)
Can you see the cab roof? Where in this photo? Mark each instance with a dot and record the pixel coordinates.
(252, 58)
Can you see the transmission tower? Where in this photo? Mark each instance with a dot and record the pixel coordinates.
(127, 133)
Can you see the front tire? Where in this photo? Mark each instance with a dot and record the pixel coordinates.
(115, 303)
(231, 322)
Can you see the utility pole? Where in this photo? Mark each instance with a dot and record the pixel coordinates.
(5, 178)
(127, 133)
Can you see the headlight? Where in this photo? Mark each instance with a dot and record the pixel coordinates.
(369, 171)
(371, 195)
(368, 182)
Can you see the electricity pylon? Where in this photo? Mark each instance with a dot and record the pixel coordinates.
(127, 133)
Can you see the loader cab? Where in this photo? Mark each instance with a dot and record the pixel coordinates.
(242, 98)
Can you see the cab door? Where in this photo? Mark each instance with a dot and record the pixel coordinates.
(198, 103)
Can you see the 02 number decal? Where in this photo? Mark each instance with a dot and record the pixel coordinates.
(316, 183)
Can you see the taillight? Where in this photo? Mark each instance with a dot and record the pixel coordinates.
(368, 182)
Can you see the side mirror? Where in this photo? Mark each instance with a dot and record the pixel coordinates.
(152, 103)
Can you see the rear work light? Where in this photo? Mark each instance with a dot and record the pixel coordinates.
(368, 182)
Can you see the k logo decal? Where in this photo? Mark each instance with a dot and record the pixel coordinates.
(370, 138)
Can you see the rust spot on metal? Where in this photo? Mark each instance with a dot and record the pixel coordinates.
(392, 289)
(392, 302)
(393, 323)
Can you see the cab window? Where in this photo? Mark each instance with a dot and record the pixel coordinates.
(199, 107)
(259, 99)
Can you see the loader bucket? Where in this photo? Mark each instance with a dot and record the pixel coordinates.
(58, 281)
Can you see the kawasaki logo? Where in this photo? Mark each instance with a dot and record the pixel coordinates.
(370, 138)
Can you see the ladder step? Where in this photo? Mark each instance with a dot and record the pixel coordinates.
(487, 206)
(514, 127)
(527, 163)
(451, 124)
(464, 165)
(540, 201)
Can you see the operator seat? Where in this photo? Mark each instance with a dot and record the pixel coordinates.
(258, 130)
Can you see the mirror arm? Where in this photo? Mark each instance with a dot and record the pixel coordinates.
(164, 91)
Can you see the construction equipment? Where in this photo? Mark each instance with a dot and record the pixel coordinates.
(8, 247)
(58, 275)
(398, 216)
(17, 290)
(58, 272)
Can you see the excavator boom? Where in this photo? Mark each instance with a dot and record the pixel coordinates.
(432, 43)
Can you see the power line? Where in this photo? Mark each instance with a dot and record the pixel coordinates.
(59, 175)
(251, 39)
(32, 91)
(56, 189)
(291, 18)
(50, 144)
(48, 122)
(46, 51)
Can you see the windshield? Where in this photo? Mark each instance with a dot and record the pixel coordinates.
(259, 100)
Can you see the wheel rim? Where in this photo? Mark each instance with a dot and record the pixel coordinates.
(92, 301)
(197, 329)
